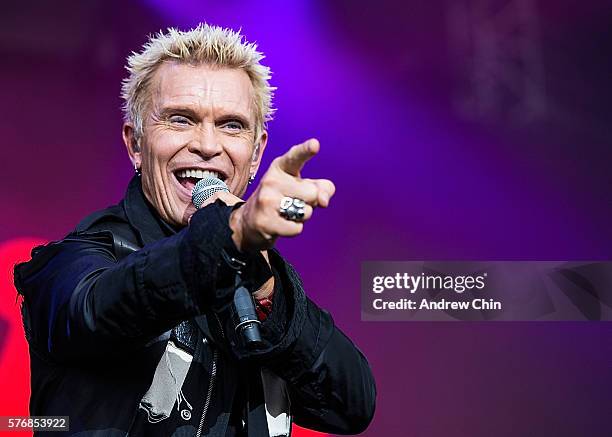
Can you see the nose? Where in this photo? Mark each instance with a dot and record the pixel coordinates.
(205, 142)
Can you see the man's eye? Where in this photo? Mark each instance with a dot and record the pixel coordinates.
(232, 125)
(179, 119)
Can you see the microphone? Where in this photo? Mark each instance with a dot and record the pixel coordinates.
(246, 323)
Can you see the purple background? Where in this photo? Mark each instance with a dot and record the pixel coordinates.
(442, 144)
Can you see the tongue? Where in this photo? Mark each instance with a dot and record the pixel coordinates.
(188, 183)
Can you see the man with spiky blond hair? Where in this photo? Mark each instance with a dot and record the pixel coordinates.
(131, 320)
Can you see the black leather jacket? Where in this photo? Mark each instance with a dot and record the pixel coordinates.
(99, 307)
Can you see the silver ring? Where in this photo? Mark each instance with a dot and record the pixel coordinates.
(292, 208)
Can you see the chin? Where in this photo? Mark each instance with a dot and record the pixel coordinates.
(181, 217)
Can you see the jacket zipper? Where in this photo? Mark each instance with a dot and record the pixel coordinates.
(220, 325)
(213, 374)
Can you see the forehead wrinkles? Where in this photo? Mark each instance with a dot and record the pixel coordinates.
(203, 89)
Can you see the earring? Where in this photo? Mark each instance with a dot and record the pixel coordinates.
(137, 170)
(251, 179)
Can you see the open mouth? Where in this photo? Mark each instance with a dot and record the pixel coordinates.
(188, 177)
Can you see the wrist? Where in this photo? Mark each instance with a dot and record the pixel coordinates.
(266, 291)
(263, 306)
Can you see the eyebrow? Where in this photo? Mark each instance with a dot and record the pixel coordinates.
(183, 110)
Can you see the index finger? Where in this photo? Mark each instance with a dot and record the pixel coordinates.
(293, 161)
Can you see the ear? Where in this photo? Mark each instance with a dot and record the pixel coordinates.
(132, 145)
(260, 146)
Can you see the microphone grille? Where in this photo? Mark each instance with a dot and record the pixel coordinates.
(205, 188)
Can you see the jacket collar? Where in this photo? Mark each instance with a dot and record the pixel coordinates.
(142, 215)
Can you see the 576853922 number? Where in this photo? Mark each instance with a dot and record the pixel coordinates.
(34, 423)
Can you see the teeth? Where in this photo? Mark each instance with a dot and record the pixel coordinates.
(196, 173)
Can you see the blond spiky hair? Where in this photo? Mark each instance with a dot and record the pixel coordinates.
(205, 44)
